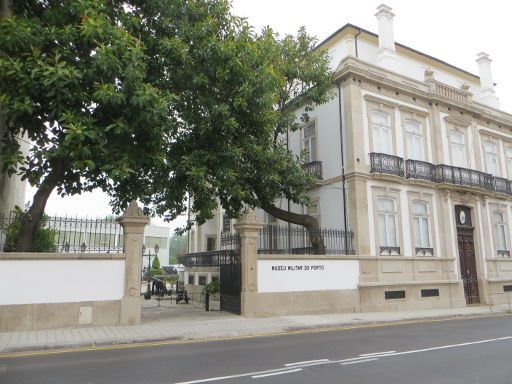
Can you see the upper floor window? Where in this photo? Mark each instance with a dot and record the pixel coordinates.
(491, 158)
(508, 155)
(420, 221)
(387, 222)
(381, 128)
(414, 140)
(226, 223)
(309, 143)
(458, 149)
(499, 229)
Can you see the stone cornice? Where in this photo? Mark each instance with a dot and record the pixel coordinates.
(351, 67)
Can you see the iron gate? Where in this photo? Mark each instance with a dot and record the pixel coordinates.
(230, 287)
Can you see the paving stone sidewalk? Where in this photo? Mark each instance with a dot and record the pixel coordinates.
(195, 325)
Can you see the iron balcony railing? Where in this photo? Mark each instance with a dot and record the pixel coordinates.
(387, 164)
(314, 168)
(211, 259)
(442, 173)
(421, 170)
(465, 177)
(502, 185)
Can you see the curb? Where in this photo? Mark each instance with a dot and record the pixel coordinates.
(226, 335)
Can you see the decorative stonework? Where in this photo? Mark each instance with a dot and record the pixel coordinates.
(133, 210)
(429, 74)
(249, 217)
(457, 120)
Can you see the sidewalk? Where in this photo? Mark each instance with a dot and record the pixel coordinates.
(200, 325)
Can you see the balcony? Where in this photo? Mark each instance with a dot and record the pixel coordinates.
(314, 168)
(386, 164)
(420, 170)
(502, 185)
(464, 177)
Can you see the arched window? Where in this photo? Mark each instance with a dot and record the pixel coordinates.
(458, 149)
(381, 128)
(420, 219)
(499, 229)
(387, 222)
(414, 140)
(491, 158)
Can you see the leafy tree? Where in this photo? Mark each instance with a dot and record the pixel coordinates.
(44, 239)
(155, 100)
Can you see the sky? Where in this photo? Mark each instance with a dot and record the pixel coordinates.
(451, 30)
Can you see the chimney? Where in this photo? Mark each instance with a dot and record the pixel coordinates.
(487, 94)
(386, 56)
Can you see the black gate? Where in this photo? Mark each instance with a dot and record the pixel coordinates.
(230, 287)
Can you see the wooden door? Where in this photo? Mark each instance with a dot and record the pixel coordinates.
(468, 265)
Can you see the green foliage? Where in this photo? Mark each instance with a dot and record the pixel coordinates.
(44, 238)
(156, 263)
(213, 287)
(156, 100)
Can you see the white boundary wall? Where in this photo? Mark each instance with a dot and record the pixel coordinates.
(60, 281)
(307, 275)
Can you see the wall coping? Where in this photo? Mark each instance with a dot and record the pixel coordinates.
(61, 256)
(406, 282)
(351, 257)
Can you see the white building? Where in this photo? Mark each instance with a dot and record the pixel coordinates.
(415, 156)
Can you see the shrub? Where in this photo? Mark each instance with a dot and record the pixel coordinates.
(44, 239)
(156, 263)
(213, 287)
(156, 271)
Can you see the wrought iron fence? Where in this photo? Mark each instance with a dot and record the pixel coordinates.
(502, 185)
(388, 164)
(297, 240)
(314, 168)
(67, 235)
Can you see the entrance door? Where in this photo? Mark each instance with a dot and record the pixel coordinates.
(467, 255)
(230, 287)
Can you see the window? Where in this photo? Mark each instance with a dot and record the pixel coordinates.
(211, 242)
(310, 142)
(381, 128)
(191, 279)
(151, 241)
(499, 229)
(458, 149)
(414, 140)
(420, 225)
(508, 155)
(387, 222)
(491, 158)
(202, 280)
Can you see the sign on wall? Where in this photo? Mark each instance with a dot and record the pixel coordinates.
(307, 275)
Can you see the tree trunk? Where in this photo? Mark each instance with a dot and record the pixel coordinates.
(30, 221)
(5, 8)
(308, 222)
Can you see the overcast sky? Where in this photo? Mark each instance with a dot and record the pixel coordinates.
(451, 30)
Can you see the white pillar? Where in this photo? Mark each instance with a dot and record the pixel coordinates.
(387, 53)
(487, 94)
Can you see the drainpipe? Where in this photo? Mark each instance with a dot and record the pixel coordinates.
(355, 43)
(343, 167)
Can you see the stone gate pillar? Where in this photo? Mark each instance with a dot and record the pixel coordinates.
(133, 221)
(249, 229)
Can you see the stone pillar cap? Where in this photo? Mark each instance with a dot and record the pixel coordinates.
(384, 10)
(482, 56)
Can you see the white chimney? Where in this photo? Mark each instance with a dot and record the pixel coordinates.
(487, 94)
(387, 54)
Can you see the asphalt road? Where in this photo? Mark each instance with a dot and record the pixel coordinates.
(448, 352)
